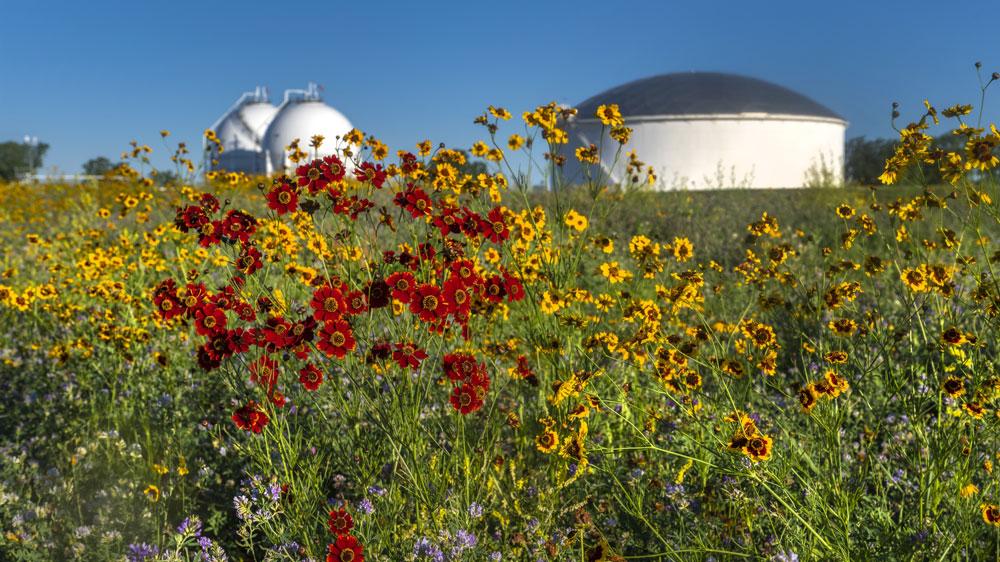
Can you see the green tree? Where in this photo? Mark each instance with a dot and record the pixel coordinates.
(18, 159)
(864, 159)
(98, 166)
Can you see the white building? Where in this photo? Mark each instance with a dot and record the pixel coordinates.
(255, 134)
(704, 130)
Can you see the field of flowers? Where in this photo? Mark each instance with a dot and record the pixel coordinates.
(383, 357)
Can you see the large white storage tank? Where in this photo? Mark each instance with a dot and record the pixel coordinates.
(704, 130)
(302, 115)
(241, 130)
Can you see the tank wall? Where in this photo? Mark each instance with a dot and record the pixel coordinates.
(720, 153)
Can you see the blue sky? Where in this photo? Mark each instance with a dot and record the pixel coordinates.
(87, 77)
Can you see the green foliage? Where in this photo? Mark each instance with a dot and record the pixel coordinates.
(19, 159)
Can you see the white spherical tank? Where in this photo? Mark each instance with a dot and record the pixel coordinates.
(240, 131)
(709, 130)
(301, 119)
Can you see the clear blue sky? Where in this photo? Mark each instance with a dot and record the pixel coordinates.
(88, 76)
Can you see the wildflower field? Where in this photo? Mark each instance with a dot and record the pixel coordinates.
(381, 356)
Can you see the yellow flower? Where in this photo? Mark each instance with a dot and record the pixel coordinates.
(160, 469)
(968, 490)
(610, 115)
(614, 273)
(500, 113)
(152, 492)
(479, 149)
(515, 142)
(576, 221)
(683, 249)
(547, 441)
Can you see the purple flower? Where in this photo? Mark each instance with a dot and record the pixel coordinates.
(140, 552)
(475, 510)
(366, 507)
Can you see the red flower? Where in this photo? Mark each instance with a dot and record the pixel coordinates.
(465, 271)
(494, 227)
(283, 197)
(495, 289)
(166, 301)
(513, 287)
(191, 218)
(356, 303)
(328, 303)
(264, 372)
(371, 173)
(466, 398)
(336, 339)
(319, 174)
(408, 355)
(209, 233)
(427, 303)
(238, 226)
(378, 294)
(278, 333)
(310, 377)
(250, 417)
(345, 549)
(401, 284)
(340, 522)
(249, 261)
(209, 203)
(457, 298)
(448, 221)
(414, 200)
(209, 319)
(460, 367)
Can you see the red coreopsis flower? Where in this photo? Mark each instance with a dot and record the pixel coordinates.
(448, 221)
(278, 334)
(427, 303)
(190, 218)
(238, 341)
(414, 200)
(458, 299)
(408, 162)
(207, 360)
(166, 301)
(320, 174)
(310, 376)
(356, 303)
(407, 355)
(460, 367)
(513, 287)
(249, 261)
(336, 339)
(466, 398)
(352, 206)
(209, 319)
(495, 290)
(328, 303)
(276, 397)
(371, 173)
(225, 298)
(251, 417)
(245, 311)
(303, 331)
(378, 294)
(345, 549)
(264, 372)
(401, 284)
(209, 233)
(340, 522)
(494, 227)
(465, 271)
(380, 351)
(209, 202)
(192, 297)
(238, 226)
(283, 197)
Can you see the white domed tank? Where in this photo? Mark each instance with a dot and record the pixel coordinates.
(704, 130)
(301, 116)
(241, 130)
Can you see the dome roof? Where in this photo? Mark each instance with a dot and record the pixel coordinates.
(301, 119)
(243, 126)
(701, 93)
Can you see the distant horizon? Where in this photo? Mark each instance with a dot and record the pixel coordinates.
(96, 76)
